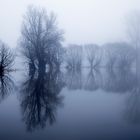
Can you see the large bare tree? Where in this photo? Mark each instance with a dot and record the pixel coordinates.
(40, 37)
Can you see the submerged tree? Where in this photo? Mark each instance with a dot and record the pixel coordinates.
(133, 28)
(125, 55)
(110, 53)
(73, 57)
(6, 58)
(119, 54)
(93, 55)
(133, 32)
(40, 38)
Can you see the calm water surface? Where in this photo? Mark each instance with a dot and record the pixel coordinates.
(70, 105)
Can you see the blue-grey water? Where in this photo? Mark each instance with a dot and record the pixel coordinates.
(70, 105)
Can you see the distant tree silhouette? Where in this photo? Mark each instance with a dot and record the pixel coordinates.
(133, 28)
(125, 55)
(93, 55)
(133, 33)
(119, 54)
(73, 57)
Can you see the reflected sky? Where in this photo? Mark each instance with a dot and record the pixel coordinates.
(87, 104)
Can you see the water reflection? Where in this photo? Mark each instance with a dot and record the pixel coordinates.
(124, 81)
(118, 80)
(110, 80)
(74, 79)
(6, 86)
(40, 92)
(93, 80)
(132, 111)
(40, 98)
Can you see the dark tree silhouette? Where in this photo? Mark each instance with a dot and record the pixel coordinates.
(40, 38)
(6, 58)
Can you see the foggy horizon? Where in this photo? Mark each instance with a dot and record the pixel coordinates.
(83, 22)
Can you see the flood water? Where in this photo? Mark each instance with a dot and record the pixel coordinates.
(70, 105)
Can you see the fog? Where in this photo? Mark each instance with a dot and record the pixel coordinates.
(84, 21)
(70, 69)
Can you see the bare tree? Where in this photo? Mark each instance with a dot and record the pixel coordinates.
(125, 55)
(110, 52)
(93, 55)
(133, 28)
(40, 37)
(56, 57)
(73, 56)
(6, 58)
(120, 54)
(133, 32)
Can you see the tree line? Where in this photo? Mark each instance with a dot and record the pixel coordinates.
(41, 44)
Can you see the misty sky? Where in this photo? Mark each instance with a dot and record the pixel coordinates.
(84, 21)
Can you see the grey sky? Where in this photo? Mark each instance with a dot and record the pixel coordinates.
(84, 21)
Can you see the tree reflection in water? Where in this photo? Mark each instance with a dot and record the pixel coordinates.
(114, 80)
(118, 80)
(93, 80)
(6, 86)
(73, 79)
(132, 111)
(41, 98)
